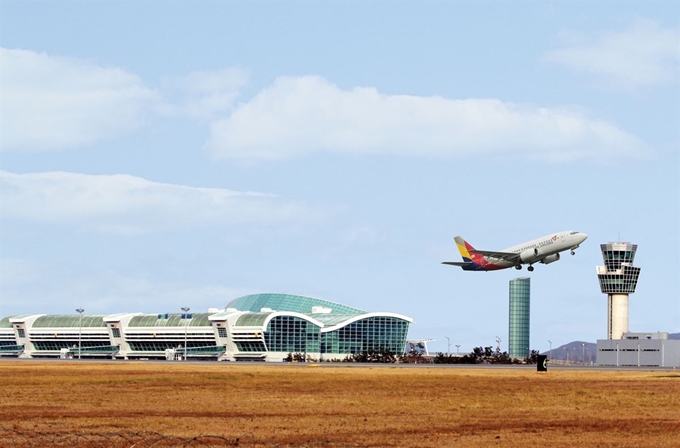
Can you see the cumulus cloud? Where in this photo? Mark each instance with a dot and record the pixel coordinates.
(644, 55)
(301, 115)
(206, 95)
(52, 103)
(129, 204)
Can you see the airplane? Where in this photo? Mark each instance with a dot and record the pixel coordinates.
(544, 250)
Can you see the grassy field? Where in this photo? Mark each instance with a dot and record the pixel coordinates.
(256, 405)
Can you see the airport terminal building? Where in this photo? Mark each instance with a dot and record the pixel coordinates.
(259, 327)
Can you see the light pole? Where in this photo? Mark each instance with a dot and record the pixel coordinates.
(583, 357)
(567, 351)
(457, 349)
(80, 330)
(498, 341)
(550, 342)
(186, 324)
(448, 345)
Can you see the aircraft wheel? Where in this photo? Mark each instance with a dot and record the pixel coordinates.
(518, 267)
(573, 253)
(530, 268)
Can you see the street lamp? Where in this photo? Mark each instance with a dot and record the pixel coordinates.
(498, 341)
(457, 347)
(448, 345)
(186, 324)
(583, 357)
(550, 342)
(567, 351)
(80, 330)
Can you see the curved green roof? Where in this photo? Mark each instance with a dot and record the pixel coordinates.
(252, 320)
(288, 302)
(173, 320)
(5, 323)
(69, 321)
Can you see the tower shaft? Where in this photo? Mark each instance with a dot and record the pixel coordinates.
(617, 323)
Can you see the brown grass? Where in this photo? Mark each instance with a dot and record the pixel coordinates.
(365, 406)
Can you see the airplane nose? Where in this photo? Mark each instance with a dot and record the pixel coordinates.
(584, 236)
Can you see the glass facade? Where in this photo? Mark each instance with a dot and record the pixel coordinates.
(291, 334)
(520, 295)
(615, 254)
(618, 275)
(161, 346)
(623, 281)
(58, 344)
(373, 333)
(250, 346)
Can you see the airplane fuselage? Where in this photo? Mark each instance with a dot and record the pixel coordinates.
(535, 251)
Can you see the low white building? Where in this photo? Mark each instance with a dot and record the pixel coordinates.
(263, 327)
(639, 350)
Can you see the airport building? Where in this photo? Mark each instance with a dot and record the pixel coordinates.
(618, 279)
(639, 350)
(520, 304)
(260, 327)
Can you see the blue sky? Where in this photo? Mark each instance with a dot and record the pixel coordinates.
(156, 155)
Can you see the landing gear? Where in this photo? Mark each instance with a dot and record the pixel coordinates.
(573, 253)
(518, 267)
(530, 268)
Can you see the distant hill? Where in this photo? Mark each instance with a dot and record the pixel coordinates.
(675, 336)
(574, 352)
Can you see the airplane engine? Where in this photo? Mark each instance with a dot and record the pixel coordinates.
(529, 256)
(550, 259)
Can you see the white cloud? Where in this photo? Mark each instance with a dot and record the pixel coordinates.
(206, 95)
(298, 116)
(644, 55)
(128, 204)
(49, 288)
(52, 103)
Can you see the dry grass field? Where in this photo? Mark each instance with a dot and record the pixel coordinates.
(80, 403)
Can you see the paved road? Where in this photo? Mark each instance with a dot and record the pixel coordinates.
(355, 365)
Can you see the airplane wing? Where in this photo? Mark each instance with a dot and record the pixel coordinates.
(458, 263)
(507, 256)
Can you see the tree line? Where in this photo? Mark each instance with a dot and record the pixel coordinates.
(478, 355)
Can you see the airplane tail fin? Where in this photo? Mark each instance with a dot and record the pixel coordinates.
(464, 248)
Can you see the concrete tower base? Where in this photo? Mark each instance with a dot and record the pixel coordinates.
(618, 315)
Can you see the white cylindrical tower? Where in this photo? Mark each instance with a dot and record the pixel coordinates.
(618, 278)
(618, 315)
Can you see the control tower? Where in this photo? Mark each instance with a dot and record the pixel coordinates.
(618, 278)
